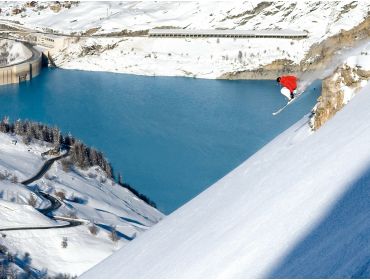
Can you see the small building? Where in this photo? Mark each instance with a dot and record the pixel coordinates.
(53, 41)
(52, 152)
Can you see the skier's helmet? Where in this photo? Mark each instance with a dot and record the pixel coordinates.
(278, 79)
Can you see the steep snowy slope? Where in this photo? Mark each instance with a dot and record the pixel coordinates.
(297, 208)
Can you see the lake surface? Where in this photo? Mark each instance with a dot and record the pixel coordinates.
(170, 137)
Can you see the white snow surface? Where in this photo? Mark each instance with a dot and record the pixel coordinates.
(143, 15)
(14, 52)
(297, 208)
(89, 195)
(200, 57)
(21, 160)
(18, 215)
(361, 61)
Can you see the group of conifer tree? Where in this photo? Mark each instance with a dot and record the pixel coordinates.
(80, 154)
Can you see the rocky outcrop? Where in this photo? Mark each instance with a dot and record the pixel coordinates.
(318, 57)
(330, 101)
(268, 72)
(337, 90)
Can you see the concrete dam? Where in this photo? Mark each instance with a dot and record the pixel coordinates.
(22, 71)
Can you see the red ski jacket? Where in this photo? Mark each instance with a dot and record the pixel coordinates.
(290, 82)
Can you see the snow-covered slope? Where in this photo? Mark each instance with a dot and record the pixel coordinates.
(116, 16)
(13, 52)
(359, 68)
(200, 57)
(297, 208)
(89, 195)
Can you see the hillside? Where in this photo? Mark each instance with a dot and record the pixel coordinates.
(298, 208)
(106, 35)
(110, 215)
(12, 52)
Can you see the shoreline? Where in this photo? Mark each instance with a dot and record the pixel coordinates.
(321, 57)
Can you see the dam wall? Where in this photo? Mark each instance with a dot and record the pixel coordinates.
(22, 71)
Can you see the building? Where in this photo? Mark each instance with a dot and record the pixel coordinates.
(53, 41)
(228, 33)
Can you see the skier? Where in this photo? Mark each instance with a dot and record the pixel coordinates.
(289, 82)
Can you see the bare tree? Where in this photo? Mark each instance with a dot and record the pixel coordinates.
(94, 230)
(113, 234)
(65, 242)
(32, 200)
(61, 194)
(14, 179)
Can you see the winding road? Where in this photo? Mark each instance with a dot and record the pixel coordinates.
(44, 169)
(54, 202)
(70, 224)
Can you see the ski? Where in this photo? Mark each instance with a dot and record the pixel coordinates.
(282, 108)
(286, 105)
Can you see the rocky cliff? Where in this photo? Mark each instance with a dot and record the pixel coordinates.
(339, 88)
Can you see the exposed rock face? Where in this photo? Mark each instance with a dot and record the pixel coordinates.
(337, 90)
(330, 101)
(317, 58)
(320, 55)
(275, 69)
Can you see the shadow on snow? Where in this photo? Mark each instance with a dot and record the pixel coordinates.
(339, 246)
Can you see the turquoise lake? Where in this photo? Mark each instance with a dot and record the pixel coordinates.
(169, 137)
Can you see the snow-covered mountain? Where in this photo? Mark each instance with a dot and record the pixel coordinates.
(111, 215)
(115, 16)
(298, 208)
(199, 57)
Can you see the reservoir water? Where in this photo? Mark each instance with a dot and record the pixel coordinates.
(169, 137)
